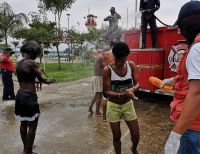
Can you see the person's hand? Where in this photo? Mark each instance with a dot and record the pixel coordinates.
(169, 81)
(149, 10)
(129, 90)
(131, 94)
(173, 143)
(49, 81)
(143, 11)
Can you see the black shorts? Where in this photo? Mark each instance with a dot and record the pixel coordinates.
(26, 106)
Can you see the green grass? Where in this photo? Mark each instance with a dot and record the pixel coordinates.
(68, 72)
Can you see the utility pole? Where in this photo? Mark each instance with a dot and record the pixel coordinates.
(78, 25)
(127, 20)
(135, 13)
(68, 15)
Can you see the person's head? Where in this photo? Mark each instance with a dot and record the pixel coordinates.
(188, 20)
(8, 51)
(30, 49)
(112, 10)
(120, 51)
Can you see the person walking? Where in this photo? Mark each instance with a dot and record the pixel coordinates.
(148, 8)
(185, 110)
(7, 69)
(119, 84)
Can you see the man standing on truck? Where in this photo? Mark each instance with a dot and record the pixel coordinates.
(184, 137)
(147, 8)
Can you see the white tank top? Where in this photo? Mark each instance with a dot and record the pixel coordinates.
(119, 83)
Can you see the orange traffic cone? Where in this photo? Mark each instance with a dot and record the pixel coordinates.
(159, 83)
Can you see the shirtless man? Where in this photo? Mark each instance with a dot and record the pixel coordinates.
(26, 105)
(97, 85)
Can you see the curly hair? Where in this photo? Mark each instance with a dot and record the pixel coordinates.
(120, 49)
(31, 48)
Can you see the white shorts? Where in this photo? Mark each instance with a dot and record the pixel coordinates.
(97, 84)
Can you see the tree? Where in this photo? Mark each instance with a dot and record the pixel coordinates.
(44, 33)
(80, 43)
(9, 21)
(57, 7)
(3, 46)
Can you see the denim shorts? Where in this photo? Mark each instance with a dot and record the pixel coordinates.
(190, 142)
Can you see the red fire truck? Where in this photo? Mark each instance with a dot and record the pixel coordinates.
(152, 61)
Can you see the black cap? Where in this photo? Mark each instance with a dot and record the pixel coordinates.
(188, 9)
(8, 49)
(112, 9)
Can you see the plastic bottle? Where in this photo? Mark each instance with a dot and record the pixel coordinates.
(159, 83)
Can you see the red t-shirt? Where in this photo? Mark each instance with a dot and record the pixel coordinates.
(7, 64)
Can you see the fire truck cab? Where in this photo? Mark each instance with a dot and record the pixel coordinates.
(152, 61)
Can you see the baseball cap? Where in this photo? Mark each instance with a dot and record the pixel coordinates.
(188, 9)
(8, 50)
(112, 9)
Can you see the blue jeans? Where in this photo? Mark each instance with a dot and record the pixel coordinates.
(190, 143)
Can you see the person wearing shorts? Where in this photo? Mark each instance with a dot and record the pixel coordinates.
(26, 106)
(119, 84)
(97, 84)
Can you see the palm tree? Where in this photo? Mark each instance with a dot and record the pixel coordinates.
(9, 21)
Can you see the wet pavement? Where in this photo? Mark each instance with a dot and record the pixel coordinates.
(65, 126)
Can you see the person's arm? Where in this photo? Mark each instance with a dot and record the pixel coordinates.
(107, 18)
(157, 6)
(168, 81)
(191, 107)
(189, 112)
(135, 81)
(134, 77)
(38, 72)
(141, 5)
(108, 93)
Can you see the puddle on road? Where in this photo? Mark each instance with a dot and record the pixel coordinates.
(7, 113)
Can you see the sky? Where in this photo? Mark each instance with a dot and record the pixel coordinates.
(167, 13)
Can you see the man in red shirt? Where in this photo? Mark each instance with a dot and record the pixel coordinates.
(7, 68)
